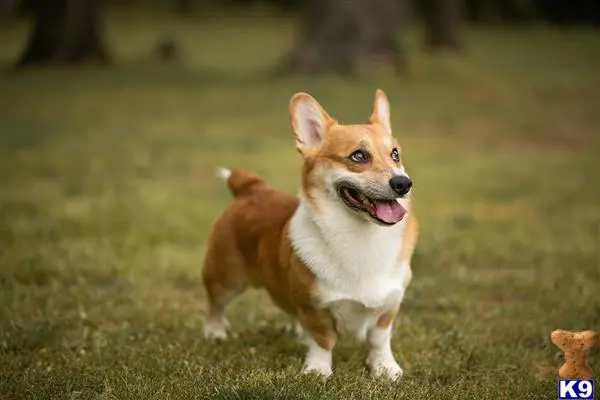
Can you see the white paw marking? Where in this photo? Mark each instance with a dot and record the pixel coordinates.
(318, 359)
(385, 369)
(380, 360)
(319, 368)
(216, 329)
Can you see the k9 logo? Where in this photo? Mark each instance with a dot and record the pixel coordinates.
(575, 389)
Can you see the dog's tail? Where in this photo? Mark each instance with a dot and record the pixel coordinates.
(240, 182)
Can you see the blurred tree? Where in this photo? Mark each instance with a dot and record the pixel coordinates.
(442, 20)
(506, 11)
(183, 6)
(64, 31)
(347, 36)
(8, 6)
(573, 12)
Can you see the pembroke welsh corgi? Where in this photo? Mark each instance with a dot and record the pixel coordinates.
(337, 257)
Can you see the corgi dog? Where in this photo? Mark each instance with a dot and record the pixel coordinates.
(337, 257)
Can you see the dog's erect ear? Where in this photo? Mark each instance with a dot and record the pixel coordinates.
(381, 111)
(309, 121)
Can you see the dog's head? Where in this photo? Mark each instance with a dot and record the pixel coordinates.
(357, 166)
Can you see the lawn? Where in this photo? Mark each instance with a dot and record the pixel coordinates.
(108, 193)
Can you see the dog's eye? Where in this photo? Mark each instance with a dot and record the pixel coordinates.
(360, 156)
(395, 155)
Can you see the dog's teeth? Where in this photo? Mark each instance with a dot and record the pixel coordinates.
(363, 199)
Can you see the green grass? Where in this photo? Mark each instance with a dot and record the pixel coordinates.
(108, 194)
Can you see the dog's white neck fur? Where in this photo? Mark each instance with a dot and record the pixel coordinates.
(352, 258)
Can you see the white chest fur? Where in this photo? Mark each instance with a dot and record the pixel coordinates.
(355, 262)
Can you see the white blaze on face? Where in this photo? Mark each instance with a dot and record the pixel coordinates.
(399, 171)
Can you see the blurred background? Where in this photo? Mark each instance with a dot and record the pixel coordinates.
(115, 114)
(332, 35)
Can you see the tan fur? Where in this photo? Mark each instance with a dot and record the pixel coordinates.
(388, 317)
(409, 241)
(249, 246)
(249, 243)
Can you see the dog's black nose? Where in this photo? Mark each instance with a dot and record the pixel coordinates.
(401, 184)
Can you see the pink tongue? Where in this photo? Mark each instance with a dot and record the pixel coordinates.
(389, 211)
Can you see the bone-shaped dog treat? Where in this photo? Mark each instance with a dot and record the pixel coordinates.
(575, 346)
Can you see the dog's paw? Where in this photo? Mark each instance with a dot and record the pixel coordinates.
(320, 369)
(388, 369)
(215, 330)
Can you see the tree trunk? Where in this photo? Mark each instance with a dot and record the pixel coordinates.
(346, 36)
(442, 20)
(64, 32)
(183, 6)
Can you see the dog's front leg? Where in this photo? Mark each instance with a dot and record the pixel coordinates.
(320, 337)
(380, 359)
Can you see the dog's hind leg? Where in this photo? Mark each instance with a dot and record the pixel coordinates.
(224, 279)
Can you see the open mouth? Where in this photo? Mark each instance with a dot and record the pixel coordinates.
(384, 211)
